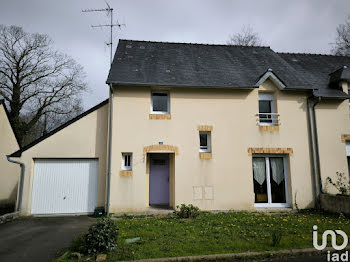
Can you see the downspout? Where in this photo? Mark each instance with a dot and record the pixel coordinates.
(109, 147)
(316, 145)
(311, 139)
(20, 194)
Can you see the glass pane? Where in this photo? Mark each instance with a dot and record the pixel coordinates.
(259, 178)
(203, 140)
(126, 162)
(265, 107)
(277, 180)
(160, 102)
(349, 164)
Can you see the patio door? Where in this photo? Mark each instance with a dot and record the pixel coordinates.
(270, 181)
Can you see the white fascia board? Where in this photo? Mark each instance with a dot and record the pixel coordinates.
(273, 78)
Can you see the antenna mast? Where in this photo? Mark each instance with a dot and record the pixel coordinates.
(109, 11)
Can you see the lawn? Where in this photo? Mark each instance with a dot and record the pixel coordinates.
(218, 233)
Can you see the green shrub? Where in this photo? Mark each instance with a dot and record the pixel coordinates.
(276, 236)
(102, 236)
(185, 211)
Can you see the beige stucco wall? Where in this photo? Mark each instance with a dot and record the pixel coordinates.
(229, 172)
(333, 120)
(85, 138)
(231, 113)
(9, 173)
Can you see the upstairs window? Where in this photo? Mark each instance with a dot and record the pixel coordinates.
(204, 142)
(160, 103)
(127, 161)
(266, 109)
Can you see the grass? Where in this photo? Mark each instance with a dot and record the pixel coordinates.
(218, 233)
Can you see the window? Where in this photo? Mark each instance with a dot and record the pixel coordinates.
(160, 102)
(204, 142)
(270, 181)
(266, 109)
(126, 161)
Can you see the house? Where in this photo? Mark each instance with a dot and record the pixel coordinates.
(221, 127)
(9, 173)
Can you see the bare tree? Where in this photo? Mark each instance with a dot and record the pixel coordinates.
(36, 81)
(247, 37)
(342, 40)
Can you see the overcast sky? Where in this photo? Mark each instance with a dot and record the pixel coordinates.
(306, 26)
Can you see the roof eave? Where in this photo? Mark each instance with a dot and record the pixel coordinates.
(178, 85)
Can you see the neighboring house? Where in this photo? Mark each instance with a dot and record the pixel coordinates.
(221, 127)
(9, 173)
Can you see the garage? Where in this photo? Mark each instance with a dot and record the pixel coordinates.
(64, 186)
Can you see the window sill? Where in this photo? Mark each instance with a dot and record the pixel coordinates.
(125, 173)
(205, 155)
(269, 128)
(160, 116)
(271, 205)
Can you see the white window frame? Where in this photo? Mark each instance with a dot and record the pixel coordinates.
(168, 102)
(269, 204)
(208, 149)
(124, 167)
(267, 97)
(347, 150)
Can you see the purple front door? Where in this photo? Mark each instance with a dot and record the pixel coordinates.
(159, 179)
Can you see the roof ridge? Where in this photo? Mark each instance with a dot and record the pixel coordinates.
(189, 43)
(313, 54)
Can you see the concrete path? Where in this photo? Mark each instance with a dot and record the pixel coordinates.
(39, 239)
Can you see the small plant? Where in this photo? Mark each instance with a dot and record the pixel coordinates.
(341, 184)
(78, 244)
(102, 236)
(186, 211)
(276, 236)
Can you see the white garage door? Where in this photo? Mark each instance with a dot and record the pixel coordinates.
(63, 186)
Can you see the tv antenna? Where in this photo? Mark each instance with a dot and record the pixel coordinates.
(109, 11)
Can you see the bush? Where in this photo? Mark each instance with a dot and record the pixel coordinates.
(185, 211)
(102, 236)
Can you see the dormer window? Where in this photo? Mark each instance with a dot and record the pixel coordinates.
(267, 114)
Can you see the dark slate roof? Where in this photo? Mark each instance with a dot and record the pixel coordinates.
(340, 75)
(317, 69)
(221, 66)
